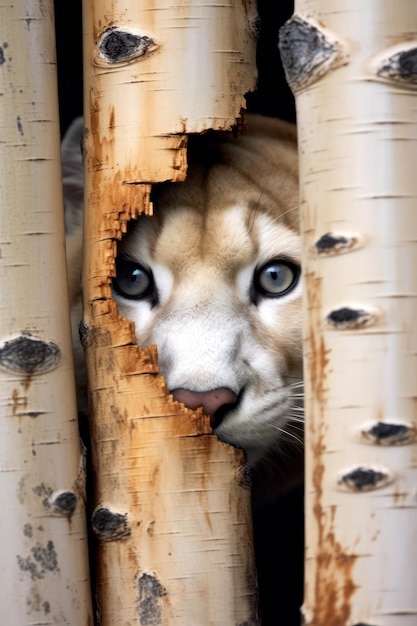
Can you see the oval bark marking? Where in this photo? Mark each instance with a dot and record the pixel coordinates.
(331, 244)
(389, 433)
(400, 67)
(149, 599)
(307, 52)
(360, 479)
(63, 502)
(29, 355)
(109, 525)
(118, 46)
(350, 318)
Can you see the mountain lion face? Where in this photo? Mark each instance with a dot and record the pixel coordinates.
(213, 279)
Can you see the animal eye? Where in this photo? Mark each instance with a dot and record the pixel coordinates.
(276, 278)
(132, 280)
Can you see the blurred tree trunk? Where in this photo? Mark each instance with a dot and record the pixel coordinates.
(44, 554)
(172, 521)
(353, 69)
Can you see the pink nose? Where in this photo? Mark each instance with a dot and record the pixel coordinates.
(211, 401)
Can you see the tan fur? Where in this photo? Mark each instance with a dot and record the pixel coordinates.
(237, 210)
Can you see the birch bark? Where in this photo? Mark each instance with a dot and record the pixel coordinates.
(353, 69)
(172, 521)
(44, 577)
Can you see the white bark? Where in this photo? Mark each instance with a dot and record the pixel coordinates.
(354, 74)
(44, 566)
(173, 522)
(164, 69)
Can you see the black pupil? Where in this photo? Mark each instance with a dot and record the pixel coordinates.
(273, 274)
(135, 275)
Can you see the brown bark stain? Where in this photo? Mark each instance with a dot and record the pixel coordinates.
(26, 382)
(19, 402)
(400, 498)
(15, 401)
(154, 478)
(112, 119)
(333, 584)
(318, 359)
(402, 38)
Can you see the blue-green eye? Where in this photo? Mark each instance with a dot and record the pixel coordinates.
(132, 280)
(276, 278)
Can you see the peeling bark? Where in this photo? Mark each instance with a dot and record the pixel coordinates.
(172, 519)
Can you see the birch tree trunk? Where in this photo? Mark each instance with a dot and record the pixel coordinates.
(353, 69)
(44, 556)
(172, 521)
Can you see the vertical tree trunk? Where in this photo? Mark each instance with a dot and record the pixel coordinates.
(42, 518)
(172, 521)
(352, 67)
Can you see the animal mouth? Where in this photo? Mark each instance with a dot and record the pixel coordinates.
(218, 416)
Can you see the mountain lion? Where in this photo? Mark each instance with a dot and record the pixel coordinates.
(213, 279)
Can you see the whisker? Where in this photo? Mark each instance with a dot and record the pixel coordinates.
(293, 208)
(297, 427)
(296, 422)
(290, 434)
(278, 218)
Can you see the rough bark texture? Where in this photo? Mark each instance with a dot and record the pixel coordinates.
(44, 560)
(353, 70)
(171, 515)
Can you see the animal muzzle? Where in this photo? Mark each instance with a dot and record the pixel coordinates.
(214, 403)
